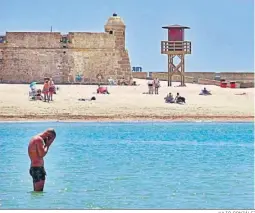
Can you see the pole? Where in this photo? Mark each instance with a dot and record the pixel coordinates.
(168, 70)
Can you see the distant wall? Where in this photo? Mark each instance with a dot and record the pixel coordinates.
(247, 85)
(194, 76)
(164, 76)
(141, 75)
(208, 82)
(33, 39)
(204, 75)
(237, 76)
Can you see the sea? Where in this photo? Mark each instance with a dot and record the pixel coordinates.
(131, 165)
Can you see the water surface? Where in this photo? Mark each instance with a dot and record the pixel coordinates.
(131, 166)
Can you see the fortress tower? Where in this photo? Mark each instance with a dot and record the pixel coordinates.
(94, 57)
(115, 26)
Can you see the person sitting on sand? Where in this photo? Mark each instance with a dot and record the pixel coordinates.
(102, 90)
(169, 98)
(205, 92)
(38, 95)
(178, 99)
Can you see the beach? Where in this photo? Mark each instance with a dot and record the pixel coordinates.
(127, 103)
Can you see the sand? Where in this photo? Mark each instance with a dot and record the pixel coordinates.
(127, 103)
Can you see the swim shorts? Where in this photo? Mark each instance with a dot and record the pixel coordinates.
(37, 173)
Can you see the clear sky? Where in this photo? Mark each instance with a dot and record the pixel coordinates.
(222, 32)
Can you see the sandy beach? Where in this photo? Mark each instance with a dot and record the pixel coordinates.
(127, 103)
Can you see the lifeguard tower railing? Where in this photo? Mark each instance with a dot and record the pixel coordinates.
(175, 47)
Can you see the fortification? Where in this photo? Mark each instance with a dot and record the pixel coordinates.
(92, 57)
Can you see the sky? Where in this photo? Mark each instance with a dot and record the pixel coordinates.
(222, 32)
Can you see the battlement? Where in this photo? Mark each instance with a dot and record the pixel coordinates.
(91, 40)
(56, 40)
(33, 39)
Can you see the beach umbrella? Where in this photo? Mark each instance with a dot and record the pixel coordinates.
(33, 84)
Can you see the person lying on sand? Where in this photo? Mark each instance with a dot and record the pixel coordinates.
(87, 99)
(169, 98)
(102, 90)
(244, 93)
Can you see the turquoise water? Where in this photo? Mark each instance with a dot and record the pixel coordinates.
(132, 166)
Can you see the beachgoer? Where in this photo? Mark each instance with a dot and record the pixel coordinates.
(177, 96)
(156, 83)
(102, 90)
(93, 98)
(205, 91)
(150, 86)
(38, 147)
(51, 89)
(38, 95)
(45, 91)
(169, 98)
(179, 99)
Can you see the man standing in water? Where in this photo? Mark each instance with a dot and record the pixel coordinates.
(37, 149)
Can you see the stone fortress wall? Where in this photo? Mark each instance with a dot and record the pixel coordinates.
(95, 57)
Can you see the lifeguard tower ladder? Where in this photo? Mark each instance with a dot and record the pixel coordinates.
(176, 47)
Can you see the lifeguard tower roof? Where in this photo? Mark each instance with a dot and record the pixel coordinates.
(175, 26)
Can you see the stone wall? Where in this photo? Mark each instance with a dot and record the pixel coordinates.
(195, 76)
(91, 40)
(204, 75)
(106, 63)
(234, 76)
(26, 65)
(33, 39)
(164, 76)
(208, 82)
(141, 75)
(247, 85)
(32, 56)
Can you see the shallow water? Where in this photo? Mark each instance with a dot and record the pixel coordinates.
(131, 165)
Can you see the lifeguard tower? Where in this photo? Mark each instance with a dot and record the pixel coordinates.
(176, 47)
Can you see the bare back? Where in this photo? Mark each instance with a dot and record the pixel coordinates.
(35, 144)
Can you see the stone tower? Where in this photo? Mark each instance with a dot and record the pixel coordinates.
(115, 26)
